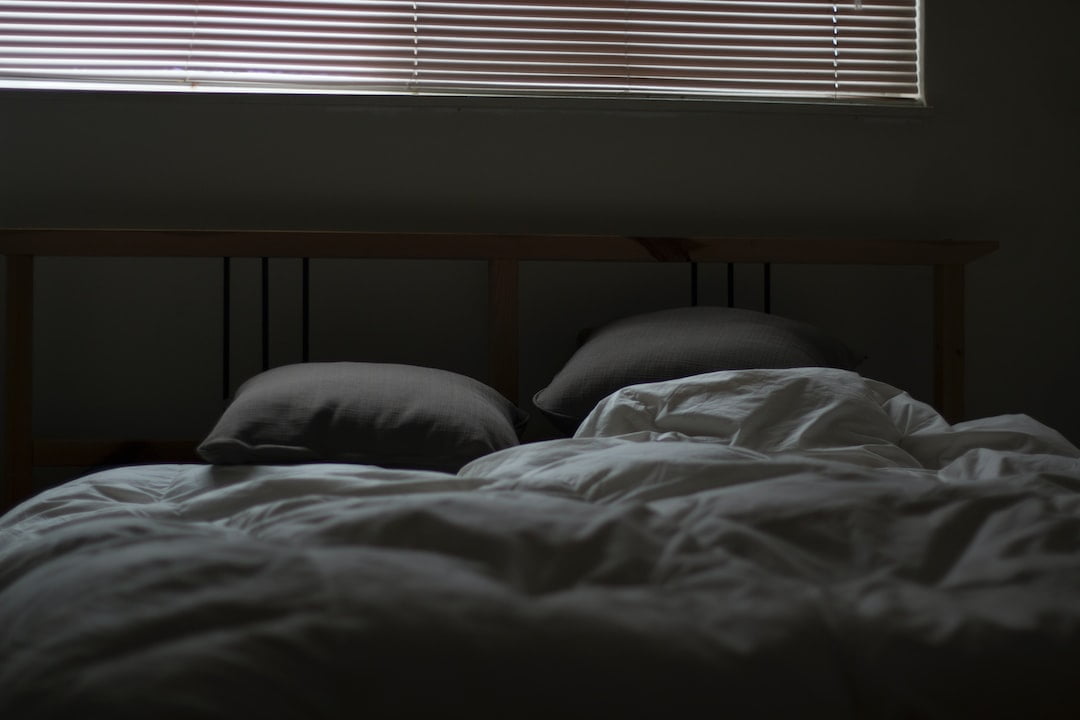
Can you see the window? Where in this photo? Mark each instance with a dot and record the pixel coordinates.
(797, 49)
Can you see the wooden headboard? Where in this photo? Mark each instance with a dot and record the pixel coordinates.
(503, 253)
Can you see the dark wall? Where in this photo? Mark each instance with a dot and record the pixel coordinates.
(993, 158)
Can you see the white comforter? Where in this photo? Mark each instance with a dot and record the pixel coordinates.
(753, 544)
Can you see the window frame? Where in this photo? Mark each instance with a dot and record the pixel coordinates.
(346, 98)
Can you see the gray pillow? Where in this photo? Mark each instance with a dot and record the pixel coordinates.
(400, 416)
(678, 343)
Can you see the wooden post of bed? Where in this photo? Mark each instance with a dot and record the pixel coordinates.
(949, 340)
(503, 327)
(19, 407)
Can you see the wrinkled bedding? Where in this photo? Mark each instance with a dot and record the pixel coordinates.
(753, 543)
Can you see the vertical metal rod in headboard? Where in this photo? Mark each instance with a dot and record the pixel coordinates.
(693, 284)
(766, 275)
(226, 326)
(731, 284)
(266, 313)
(305, 310)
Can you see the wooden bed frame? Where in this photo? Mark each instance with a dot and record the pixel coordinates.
(503, 253)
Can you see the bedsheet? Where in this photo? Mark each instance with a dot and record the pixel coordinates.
(754, 543)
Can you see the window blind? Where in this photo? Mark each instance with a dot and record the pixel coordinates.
(690, 48)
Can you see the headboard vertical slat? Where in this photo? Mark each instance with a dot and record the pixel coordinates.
(731, 284)
(226, 327)
(766, 287)
(19, 405)
(305, 310)
(265, 305)
(503, 305)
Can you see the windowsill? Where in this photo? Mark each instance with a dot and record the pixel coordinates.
(899, 109)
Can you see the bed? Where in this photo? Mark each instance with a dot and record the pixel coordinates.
(780, 537)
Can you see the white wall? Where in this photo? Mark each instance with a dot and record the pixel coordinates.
(995, 158)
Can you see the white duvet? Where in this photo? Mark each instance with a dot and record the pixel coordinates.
(744, 544)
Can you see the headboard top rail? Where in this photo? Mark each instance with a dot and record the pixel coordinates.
(101, 242)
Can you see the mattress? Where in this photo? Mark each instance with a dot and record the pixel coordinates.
(757, 543)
